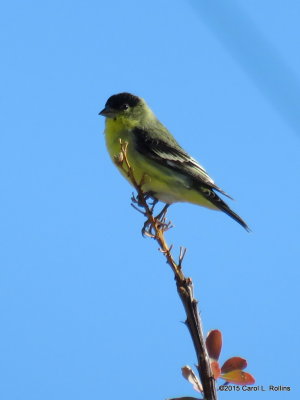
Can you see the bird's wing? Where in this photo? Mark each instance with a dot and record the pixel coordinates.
(171, 155)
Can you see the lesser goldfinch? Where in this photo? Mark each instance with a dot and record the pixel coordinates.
(172, 174)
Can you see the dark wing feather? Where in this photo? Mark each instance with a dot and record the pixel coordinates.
(171, 155)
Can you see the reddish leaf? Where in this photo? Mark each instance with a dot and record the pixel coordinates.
(238, 377)
(190, 375)
(216, 370)
(233, 363)
(214, 344)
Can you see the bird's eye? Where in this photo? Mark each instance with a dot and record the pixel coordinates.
(124, 107)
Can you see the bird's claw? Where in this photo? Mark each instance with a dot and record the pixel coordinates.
(160, 224)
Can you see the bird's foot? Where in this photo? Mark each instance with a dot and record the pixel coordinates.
(162, 215)
(154, 224)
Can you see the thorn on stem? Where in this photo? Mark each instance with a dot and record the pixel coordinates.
(181, 255)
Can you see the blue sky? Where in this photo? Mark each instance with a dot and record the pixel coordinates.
(88, 307)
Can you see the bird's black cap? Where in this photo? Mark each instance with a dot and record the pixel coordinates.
(116, 101)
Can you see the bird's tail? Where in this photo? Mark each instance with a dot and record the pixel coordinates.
(210, 195)
(227, 210)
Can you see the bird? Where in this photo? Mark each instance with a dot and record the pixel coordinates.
(172, 175)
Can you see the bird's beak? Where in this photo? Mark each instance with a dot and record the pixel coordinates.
(107, 112)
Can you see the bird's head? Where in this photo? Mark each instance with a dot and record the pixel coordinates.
(124, 105)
